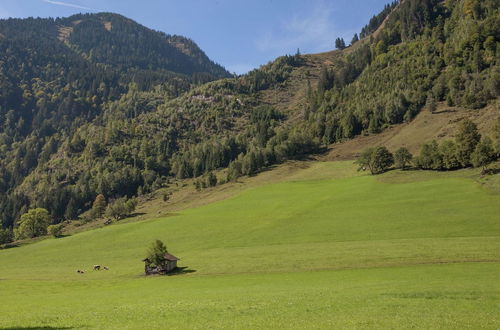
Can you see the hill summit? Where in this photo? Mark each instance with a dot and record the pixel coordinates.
(115, 40)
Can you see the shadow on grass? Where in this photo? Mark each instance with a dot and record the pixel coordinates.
(490, 171)
(9, 246)
(445, 111)
(62, 236)
(181, 271)
(137, 214)
(37, 328)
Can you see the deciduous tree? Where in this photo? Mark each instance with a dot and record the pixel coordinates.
(448, 151)
(33, 224)
(377, 160)
(402, 157)
(121, 208)
(484, 154)
(467, 139)
(429, 158)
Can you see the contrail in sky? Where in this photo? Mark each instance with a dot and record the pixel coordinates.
(66, 4)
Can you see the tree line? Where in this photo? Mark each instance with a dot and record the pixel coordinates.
(467, 149)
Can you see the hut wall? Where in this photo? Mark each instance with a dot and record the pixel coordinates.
(171, 265)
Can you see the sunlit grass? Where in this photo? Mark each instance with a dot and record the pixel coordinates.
(327, 247)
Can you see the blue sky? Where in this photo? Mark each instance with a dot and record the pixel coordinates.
(239, 34)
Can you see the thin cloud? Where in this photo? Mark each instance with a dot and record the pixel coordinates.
(314, 31)
(67, 4)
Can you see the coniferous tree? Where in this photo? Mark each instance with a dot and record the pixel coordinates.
(99, 206)
(340, 43)
(71, 210)
(6, 236)
(355, 39)
(431, 103)
(156, 253)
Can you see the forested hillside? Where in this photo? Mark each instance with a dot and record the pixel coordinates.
(58, 74)
(117, 119)
(428, 51)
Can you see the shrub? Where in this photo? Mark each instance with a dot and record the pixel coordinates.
(211, 180)
(55, 230)
(6, 236)
(121, 208)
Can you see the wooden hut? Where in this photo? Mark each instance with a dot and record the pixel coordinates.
(168, 264)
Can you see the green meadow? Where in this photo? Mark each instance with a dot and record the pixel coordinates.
(325, 247)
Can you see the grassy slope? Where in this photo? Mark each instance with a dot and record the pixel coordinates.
(426, 127)
(322, 246)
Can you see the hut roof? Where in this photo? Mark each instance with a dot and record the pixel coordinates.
(170, 257)
(166, 256)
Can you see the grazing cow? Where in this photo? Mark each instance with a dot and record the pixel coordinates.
(97, 267)
(105, 268)
(80, 271)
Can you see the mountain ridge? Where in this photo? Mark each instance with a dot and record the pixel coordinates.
(294, 106)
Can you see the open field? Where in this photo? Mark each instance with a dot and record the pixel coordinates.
(316, 246)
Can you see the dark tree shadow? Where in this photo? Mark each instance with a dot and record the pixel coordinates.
(490, 171)
(62, 236)
(9, 246)
(181, 271)
(445, 111)
(37, 328)
(136, 214)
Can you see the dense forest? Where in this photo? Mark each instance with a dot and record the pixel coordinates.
(96, 105)
(428, 51)
(59, 74)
